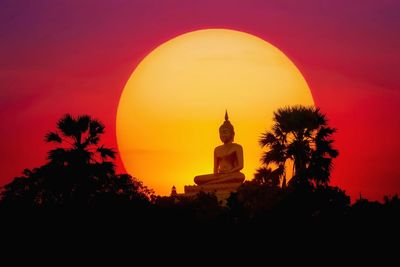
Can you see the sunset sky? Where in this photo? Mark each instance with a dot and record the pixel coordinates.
(60, 57)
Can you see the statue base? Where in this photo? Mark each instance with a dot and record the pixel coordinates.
(222, 190)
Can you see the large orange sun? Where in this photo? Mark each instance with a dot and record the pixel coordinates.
(175, 100)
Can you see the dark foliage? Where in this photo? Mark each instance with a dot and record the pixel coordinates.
(79, 184)
(299, 136)
(79, 173)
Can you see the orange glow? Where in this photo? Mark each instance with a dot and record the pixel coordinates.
(175, 100)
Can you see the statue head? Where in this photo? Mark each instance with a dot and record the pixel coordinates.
(226, 131)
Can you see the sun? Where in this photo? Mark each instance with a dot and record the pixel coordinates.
(175, 100)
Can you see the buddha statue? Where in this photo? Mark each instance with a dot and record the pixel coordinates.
(228, 160)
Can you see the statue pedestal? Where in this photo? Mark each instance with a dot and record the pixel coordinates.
(222, 190)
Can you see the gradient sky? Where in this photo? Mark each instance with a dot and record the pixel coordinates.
(76, 56)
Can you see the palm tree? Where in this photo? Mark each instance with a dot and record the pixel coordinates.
(80, 172)
(300, 135)
(267, 176)
(77, 139)
(80, 166)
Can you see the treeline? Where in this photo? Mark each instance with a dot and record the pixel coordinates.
(79, 182)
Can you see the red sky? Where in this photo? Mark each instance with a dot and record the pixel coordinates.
(76, 56)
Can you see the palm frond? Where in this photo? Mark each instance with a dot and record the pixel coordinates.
(52, 137)
(267, 139)
(273, 156)
(94, 140)
(95, 128)
(106, 152)
(83, 123)
(58, 155)
(104, 168)
(67, 125)
(267, 176)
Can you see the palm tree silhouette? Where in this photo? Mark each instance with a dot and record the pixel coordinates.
(80, 173)
(82, 166)
(77, 139)
(267, 176)
(300, 135)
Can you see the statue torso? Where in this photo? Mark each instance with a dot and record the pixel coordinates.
(227, 156)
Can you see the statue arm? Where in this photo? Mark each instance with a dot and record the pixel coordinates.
(216, 162)
(239, 157)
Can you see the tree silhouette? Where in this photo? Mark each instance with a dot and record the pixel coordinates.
(266, 176)
(78, 142)
(253, 200)
(300, 135)
(79, 173)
